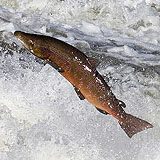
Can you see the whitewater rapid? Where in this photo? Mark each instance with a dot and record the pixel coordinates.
(41, 117)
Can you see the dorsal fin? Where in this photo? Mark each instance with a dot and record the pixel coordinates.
(93, 61)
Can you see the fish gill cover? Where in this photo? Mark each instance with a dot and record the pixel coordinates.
(41, 117)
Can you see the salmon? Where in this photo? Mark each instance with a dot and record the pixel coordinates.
(81, 72)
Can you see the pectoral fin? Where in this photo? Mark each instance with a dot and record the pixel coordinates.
(54, 65)
(102, 111)
(80, 95)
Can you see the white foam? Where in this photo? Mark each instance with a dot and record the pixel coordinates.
(134, 18)
(41, 117)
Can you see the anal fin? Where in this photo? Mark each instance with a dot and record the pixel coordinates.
(102, 111)
(80, 95)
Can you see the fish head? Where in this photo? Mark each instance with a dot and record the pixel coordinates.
(26, 39)
(32, 42)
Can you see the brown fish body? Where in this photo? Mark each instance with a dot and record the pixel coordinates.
(81, 72)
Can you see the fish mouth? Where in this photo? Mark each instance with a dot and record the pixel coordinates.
(18, 35)
(21, 37)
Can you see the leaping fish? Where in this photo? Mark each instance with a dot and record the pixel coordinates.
(81, 72)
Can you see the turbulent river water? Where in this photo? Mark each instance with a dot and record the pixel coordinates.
(41, 117)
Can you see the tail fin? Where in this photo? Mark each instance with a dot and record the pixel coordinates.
(132, 125)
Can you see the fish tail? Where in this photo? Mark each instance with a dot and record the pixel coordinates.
(132, 125)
